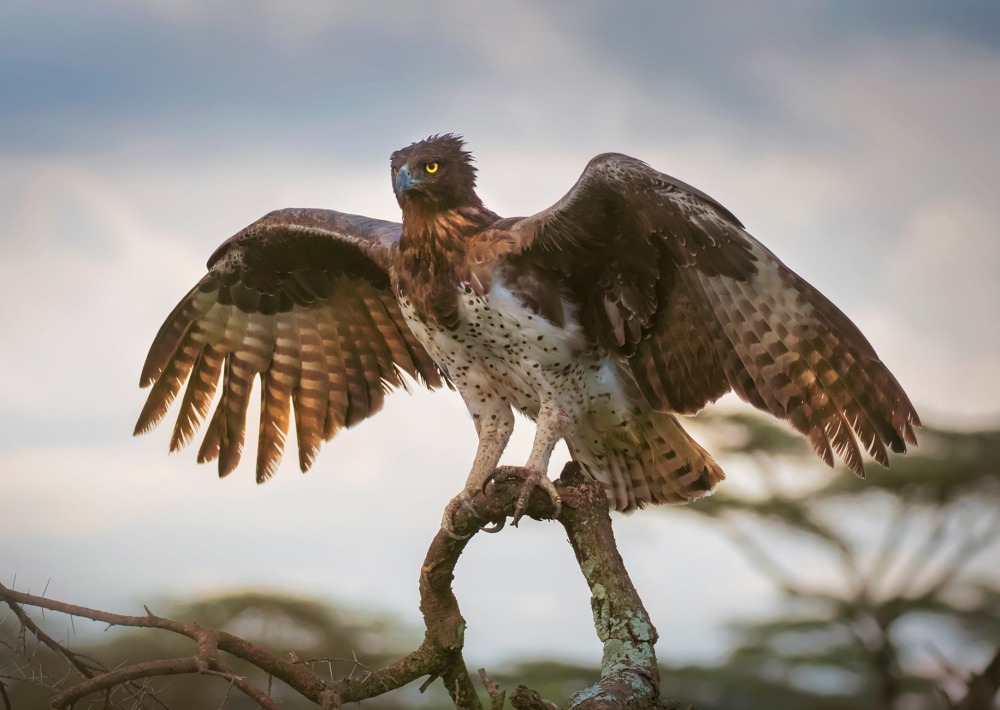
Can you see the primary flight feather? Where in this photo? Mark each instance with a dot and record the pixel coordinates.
(634, 297)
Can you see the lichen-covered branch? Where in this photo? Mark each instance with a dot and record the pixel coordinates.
(629, 675)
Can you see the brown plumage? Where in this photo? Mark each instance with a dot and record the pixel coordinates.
(634, 297)
(301, 298)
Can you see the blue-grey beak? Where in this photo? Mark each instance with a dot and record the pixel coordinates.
(404, 180)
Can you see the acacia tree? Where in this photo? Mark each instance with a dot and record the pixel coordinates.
(901, 549)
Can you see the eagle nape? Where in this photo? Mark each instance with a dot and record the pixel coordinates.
(633, 299)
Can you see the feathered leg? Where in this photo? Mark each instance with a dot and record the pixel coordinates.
(551, 426)
(494, 422)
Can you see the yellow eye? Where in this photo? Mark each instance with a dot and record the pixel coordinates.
(431, 168)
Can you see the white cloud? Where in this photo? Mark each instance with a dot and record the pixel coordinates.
(947, 262)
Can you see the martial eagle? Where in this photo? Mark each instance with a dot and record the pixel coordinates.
(634, 298)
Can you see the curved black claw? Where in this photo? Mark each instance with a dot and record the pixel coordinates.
(505, 473)
(531, 479)
(536, 479)
(493, 475)
(495, 528)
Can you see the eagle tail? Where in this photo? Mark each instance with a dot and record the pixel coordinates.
(657, 463)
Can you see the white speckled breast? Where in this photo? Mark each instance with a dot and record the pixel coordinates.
(505, 349)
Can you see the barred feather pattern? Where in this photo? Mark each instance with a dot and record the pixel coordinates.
(724, 314)
(782, 347)
(655, 462)
(328, 363)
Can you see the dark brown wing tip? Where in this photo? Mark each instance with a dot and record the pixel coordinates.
(153, 412)
(267, 469)
(143, 425)
(228, 463)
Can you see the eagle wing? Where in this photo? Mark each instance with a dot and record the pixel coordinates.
(301, 298)
(669, 279)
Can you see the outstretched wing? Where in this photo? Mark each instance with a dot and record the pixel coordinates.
(301, 298)
(669, 278)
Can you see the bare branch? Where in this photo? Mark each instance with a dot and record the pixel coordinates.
(83, 665)
(524, 698)
(497, 695)
(150, 669)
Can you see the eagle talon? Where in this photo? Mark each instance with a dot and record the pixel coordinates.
(495, 528)
(505, 473)
(533, 479)
(462, 501)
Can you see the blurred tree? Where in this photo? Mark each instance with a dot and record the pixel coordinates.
(885, 588)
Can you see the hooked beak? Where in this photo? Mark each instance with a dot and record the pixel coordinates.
(405, 181)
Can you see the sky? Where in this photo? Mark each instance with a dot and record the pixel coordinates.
(857, 140)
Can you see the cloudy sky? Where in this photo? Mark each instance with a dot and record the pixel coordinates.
(857, 140)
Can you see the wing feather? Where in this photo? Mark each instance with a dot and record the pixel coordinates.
(310, 398)
(398, 354)
(197, 397)
(168, 384)
(369, 322)
(235, 401)
(302, 299)
(277, 383)
(358, 361)
(275, 416)
(723, 313)
(338, 389)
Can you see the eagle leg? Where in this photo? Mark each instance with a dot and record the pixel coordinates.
(552, 421)
(494, 422)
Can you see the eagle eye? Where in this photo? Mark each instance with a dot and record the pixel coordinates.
(431, 168)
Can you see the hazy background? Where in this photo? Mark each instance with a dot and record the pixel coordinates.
(858, 141)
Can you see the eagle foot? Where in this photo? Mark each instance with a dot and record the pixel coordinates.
(533, 479)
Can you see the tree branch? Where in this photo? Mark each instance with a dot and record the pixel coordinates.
(302, 679)
(629, 677)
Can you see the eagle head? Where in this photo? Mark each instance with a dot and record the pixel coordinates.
(437, 173)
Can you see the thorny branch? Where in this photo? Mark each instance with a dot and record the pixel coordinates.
(629, 677)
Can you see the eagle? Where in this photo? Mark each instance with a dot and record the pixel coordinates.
(633, 299)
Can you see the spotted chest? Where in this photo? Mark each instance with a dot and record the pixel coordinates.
(503, 350)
